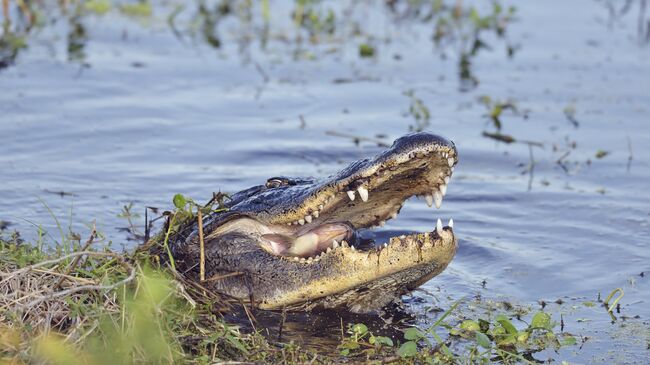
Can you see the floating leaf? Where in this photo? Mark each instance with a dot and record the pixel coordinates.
(506, 324)
(601, 153)
(470, 325)
(381, 340)
(569, 340)
(541, 320)
(413, 334)
(408, 349)
(366, 50)
(483, 340)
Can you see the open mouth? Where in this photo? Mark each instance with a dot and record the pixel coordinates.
(330, 215)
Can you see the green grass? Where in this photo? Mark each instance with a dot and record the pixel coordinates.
(81, 305)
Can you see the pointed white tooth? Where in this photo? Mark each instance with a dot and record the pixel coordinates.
(329, 249)
(301, 221)
(363, 193)
(351, 195)
(429, 199)
(302, 259)
(316, 214)
(320, 207)
(308, 218)
(385, 245)
(288, 224)
(443, 189)
(310, 260)
(394, 215)
(451, 223)
(445, 154)
(296, 258)
(446, 180)
(382, 223)
(402, 237)
(352, 248)
(344, 244)
(451, 161)
(452, 169)
(335, 244)
(437, 199)
(439, 227)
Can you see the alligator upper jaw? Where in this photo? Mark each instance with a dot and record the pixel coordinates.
(364, 195)
(370, 192)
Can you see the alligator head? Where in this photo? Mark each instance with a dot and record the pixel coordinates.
(292, 243)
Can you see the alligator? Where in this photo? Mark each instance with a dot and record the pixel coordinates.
(294, 243)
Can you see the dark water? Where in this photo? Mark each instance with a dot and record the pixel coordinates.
(151, 115)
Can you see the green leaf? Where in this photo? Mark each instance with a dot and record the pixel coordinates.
(141, 9)
(99, 7)
(470, 325)
(568, 340)
(413, 334)
(408, 349)
(483, 340)
(381, 340)
(541, 320)
(366, 50)
(506, 324)
(179, 201)
(360, 329)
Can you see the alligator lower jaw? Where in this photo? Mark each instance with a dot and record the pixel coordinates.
(366, 280)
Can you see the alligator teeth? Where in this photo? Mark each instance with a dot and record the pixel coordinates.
(443, 189)
(446, 180)
(320, 207)
(316, 214)
(439, 227)
(351, 195)
(451, 223)
(352, 248)
(302, 259)
(445, 154)
(450, 161)
(363, 193)
(301, 222)
(308, 218)
(394, 215)
(335, 244)
(310, 260)
(385, 245)
(329, 249)
(437, 199)
(344, 244)
(382, 223)
(429, 199)
(402, 237)
(452, 169)
(296, 258)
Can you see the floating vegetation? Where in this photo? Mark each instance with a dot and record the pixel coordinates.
(308, 29)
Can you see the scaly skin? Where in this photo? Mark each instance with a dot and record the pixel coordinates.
(244, 240)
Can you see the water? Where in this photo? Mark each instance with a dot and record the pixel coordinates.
(151, 115)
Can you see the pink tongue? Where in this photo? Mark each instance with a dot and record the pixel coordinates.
(308, 244)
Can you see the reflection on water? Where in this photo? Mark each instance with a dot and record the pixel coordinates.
(548, 197)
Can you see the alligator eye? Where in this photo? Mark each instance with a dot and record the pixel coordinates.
(276, 182)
